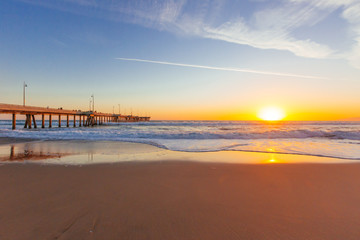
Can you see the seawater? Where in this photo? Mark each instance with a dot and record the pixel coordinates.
(331, 139)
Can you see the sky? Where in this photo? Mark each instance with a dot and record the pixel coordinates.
(184, 60)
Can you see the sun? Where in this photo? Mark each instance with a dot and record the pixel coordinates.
(271, 114)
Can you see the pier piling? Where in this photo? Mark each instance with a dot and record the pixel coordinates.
(14, 121)
(28, 116)
(33, 118)
(42, 120)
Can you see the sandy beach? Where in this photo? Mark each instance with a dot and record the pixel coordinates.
(180, 200)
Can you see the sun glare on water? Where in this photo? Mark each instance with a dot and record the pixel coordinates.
(271, 114)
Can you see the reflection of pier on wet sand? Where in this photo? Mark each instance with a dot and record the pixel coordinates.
(74, 152)
(83, 118)
(19, 153)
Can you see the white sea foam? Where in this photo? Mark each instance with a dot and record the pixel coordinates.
(334, 139)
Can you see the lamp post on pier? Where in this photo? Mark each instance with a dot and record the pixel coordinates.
(25, 85)
(119, 109)
(93, 102)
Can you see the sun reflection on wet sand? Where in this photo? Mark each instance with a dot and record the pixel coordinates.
(273, 159)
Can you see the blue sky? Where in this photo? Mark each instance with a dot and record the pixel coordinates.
(301, 55)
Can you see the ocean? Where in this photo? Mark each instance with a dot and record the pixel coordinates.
(318, 138)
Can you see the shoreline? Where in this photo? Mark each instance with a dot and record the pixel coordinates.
(79, 152)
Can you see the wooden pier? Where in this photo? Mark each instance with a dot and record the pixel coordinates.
(83, 118)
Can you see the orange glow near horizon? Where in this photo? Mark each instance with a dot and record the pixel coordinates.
(234, 111)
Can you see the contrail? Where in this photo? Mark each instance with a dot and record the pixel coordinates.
(221, 68)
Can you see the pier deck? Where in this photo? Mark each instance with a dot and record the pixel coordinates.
(85, 118)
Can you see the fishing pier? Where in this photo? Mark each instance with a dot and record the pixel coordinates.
(80, 118)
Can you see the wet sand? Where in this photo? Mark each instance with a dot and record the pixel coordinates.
(8, 140)
(180, 200)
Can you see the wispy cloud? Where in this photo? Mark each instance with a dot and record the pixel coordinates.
(221, 68)
(240, 33)
(57, 42)
(352, 14)
(270, 25)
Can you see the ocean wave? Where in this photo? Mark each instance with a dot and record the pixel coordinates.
(102, 133)
(319, 139)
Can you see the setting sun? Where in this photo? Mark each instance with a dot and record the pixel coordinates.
(271, 114)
